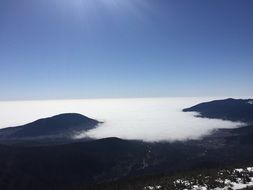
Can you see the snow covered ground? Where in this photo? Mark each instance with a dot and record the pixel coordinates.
(250, 102)
(235, 179)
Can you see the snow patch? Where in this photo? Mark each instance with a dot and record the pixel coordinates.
(238, 178)
(250, 102)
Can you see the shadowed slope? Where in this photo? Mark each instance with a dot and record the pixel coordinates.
(228, 109)
(63, 126)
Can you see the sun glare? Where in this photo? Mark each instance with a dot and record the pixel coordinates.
(96, 6)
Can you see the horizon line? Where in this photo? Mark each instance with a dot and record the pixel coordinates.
(105, 98)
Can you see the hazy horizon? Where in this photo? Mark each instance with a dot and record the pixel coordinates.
(131, 97)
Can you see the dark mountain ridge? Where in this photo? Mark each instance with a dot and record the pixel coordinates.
(59, 126)
(228, 109)
(83, 165)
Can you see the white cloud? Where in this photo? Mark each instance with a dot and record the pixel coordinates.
(148, 119)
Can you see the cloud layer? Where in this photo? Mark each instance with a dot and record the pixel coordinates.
(148, 119)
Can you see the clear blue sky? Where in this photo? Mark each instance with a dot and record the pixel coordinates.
(53, 49)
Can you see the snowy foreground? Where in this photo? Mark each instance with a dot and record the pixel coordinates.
(235, 179)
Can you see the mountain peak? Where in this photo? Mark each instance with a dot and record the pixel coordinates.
(63, 125)
(227, 109)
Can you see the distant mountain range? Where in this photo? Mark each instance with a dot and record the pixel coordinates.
(60, 126)
(228, 109)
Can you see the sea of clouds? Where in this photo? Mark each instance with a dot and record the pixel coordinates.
(148, 119)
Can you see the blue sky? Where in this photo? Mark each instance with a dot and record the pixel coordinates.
(62, 49)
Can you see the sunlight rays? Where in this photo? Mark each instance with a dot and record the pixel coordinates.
(92, 9)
